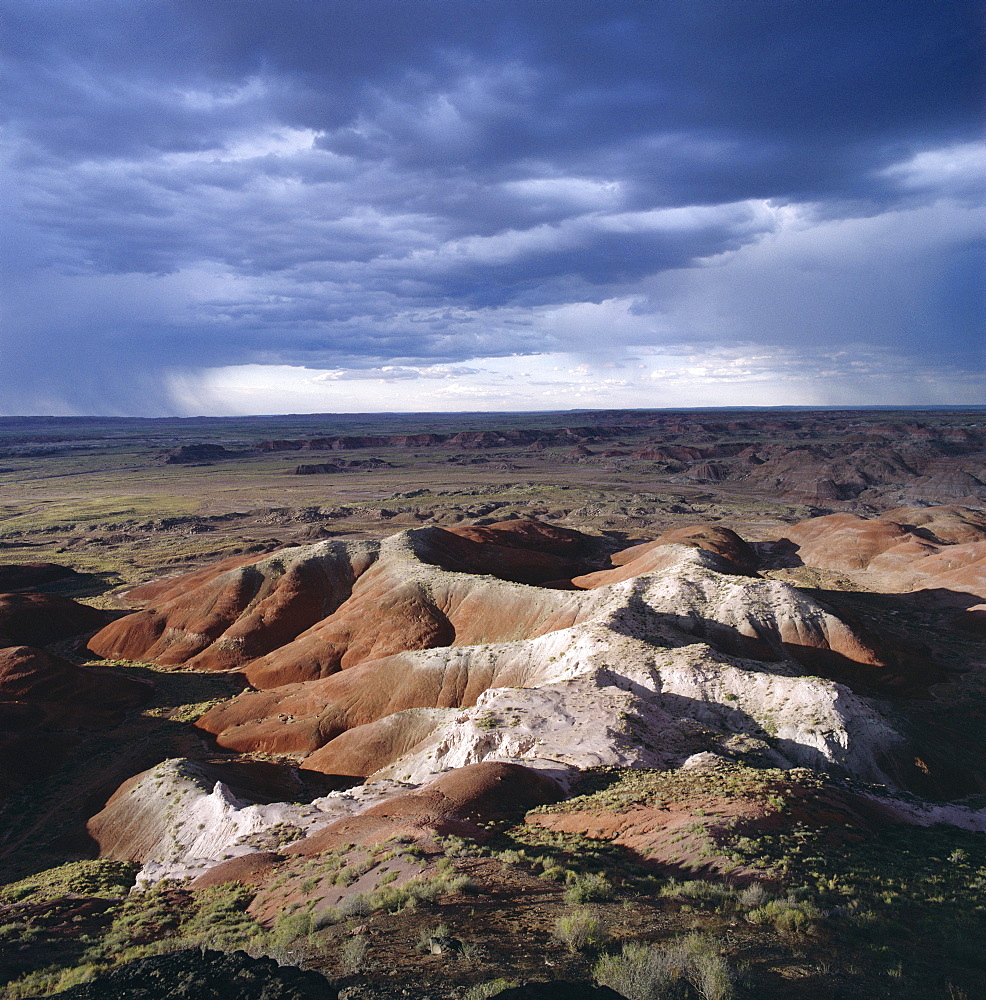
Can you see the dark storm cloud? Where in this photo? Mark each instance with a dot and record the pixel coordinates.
(349, 183)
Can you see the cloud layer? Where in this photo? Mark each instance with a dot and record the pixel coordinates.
(390, 193)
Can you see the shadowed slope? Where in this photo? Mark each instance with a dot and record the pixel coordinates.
(43, 698)
(734, 555)
(37, 619)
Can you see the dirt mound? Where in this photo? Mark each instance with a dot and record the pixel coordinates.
(848, 541)
(945, 525)
(158, 591)
(491, 626)
(377, 658)
(398, 607)
(457, 803)
(306, 613)
(203, 807)
(220, 620)
(687, 820)
(709, 472)
(344, 608)
(37, 619)
(367, 748)
(304, 716)
(196, 973)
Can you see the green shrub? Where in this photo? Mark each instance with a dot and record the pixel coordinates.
(788, 916)
(457, 847)
(470, 951)
(510, 857)
(589, 888)
(665, 972)
(553, 870)
(461, 883)
(326, 918)
(426, 934)
(393, 899)
(221, 920)
(291, 925)
(75, 977)
(78, 878)
(699, 890)
(355, 906)
(752, 896)
(352, 954)
(580, 930)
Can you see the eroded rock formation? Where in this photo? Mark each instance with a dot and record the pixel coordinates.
(908, 549)
(400, 663)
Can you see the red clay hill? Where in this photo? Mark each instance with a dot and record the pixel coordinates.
(331, 633)
(304, 613)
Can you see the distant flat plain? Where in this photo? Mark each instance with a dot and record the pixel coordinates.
(130, 499)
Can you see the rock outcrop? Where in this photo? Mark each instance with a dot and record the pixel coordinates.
(183, 816)
(194, 973)
(197, 454)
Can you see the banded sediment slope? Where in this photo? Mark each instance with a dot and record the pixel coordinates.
(393, 663)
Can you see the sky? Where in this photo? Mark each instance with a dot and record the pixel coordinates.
(286, 206)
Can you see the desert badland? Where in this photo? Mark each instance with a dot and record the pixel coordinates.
(448, 705)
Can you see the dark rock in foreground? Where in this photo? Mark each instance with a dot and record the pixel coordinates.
(194, 974)
(560, 991)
